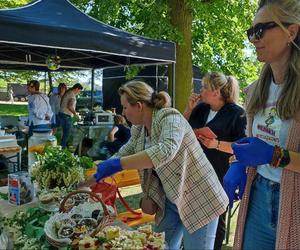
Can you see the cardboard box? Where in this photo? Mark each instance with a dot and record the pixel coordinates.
(20, 188)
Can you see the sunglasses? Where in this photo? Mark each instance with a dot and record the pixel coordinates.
(258, 30)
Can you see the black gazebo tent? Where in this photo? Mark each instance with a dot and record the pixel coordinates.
(45, 27)
(31, 33)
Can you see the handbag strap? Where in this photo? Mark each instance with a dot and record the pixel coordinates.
(148, 179)
(128, 208)
(137, 215)
(126, 204)
(148, 171)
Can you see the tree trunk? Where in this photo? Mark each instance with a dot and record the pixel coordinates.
(181, 19)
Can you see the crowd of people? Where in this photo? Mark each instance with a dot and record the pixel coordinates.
(253, 155)
(54, 111)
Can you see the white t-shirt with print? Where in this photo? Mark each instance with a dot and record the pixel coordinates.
(270, 128)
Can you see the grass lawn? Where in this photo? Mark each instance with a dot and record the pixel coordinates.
(13, 109)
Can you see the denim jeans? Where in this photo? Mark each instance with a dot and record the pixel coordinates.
(55, 123)
(66, 123)
(261, 222)
(175, 231)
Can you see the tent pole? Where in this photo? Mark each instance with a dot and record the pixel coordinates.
(92, 89)
(50, 82)
(173, 85)
(156, 78)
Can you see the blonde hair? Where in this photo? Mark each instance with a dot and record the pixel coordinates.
(228, 86)
(119, 119)
(138, 91)
(288, 104)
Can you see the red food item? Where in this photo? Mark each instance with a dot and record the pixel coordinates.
(149, 247)
(87, 245)
(108, 246)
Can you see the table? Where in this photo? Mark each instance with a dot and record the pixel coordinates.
(8, 210)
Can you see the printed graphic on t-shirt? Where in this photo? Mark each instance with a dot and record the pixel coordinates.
(268, 125)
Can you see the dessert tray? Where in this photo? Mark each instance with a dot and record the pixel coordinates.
(117, 238)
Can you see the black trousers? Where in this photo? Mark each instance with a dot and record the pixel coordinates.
(221, 230)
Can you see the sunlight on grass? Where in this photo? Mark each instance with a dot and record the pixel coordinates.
(13, 109)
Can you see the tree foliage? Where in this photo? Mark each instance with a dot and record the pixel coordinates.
(219, 42)
(219, 38)
(12, 3)
(218, 29)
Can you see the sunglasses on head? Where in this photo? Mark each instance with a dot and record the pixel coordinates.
(258, 30)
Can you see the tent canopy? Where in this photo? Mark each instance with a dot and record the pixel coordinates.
(31, 33)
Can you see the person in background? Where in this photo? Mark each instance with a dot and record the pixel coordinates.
(55, 100)
(269, 211)
(219, 111)
(117, 136)
(39, 109)
(67, 111)
(183, 185)
(11, 95)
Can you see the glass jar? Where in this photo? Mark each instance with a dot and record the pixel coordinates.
(37, 143)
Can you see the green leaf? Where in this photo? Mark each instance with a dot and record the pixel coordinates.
(29, 230)
(43, 219)
(4, 196)
(39, 233)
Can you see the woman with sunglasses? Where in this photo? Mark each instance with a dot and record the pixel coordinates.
(270, 206)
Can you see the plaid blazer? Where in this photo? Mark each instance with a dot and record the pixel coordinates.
(184, 172)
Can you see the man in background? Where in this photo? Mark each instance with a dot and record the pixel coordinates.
(67, 111)
(39, 109)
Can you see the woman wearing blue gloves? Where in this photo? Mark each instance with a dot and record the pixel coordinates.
(270, 204)
(183, 184)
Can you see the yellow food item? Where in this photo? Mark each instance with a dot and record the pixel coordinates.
(112, 232)
(87, 243)
(46, 198)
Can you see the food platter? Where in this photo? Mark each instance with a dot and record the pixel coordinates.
(81, 214)
(49, 199)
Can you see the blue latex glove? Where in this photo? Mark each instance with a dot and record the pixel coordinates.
(252, 151)
(108, 168)
(235, 177)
